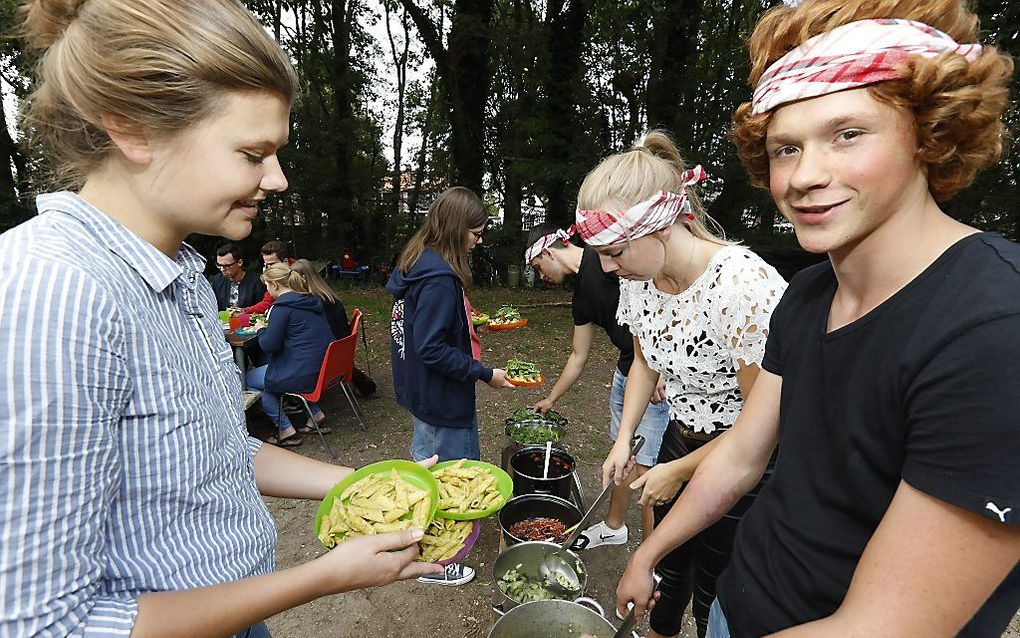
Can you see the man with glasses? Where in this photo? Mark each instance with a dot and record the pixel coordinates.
(233, 286)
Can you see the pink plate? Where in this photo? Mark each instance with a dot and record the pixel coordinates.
(469, 542)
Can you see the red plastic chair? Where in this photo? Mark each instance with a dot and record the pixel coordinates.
(336, 370)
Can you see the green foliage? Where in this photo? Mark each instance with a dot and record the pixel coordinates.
(530, 95)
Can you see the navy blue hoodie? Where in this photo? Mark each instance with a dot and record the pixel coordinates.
(433, 372)
(296, 342)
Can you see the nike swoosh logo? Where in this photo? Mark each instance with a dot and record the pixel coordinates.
(603, 537)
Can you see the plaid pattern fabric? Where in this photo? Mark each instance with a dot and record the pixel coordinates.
(602, 228)
(545, 241)
(853, 55)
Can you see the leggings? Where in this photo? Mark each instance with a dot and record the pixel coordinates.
(693, 568)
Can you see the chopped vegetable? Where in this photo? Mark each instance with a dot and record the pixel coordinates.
(506, 314)
(534, 434)
(526, 371)
(523, 589)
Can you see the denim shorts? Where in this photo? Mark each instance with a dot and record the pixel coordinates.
(652, 424)
(448, 443)
(717, 625)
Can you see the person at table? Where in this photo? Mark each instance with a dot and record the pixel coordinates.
(273, 252)
(889, 381)
(434, 372)
(233, 285)
(132, 495)
(336, 314)
(594, 305)
(294, 337)
(698, 308)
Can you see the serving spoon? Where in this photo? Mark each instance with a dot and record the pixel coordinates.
(556, 567)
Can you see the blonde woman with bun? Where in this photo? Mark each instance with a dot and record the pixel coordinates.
(295, 339)
(131, 491)
(698, 308)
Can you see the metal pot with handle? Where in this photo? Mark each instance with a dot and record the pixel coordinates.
(555, 619)
(525, 558)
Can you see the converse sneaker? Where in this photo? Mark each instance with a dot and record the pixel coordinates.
(455, 574)
(602, 534)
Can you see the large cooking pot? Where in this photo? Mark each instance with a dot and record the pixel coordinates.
(527, 466)
(554, 619)
(526, 506)
(525, 557)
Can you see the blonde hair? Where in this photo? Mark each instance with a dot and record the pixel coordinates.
(282, 274)
(653, 164)
(316, 284)
(162, 65)
(956, 106)
(455, 211)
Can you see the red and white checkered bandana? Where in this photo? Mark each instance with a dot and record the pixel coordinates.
(545, 241)
(850, 56)
(602, 228)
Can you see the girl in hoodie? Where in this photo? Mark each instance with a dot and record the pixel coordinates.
(295, 338)
(434, 372)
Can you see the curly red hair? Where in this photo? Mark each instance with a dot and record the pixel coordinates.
(957, 106)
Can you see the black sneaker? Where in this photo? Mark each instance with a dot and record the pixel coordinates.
(455, 574)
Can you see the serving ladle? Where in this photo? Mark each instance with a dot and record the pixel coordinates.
(556, 566)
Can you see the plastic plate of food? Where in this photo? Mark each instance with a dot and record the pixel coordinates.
(445, 536)
(470, 490)
(523, 374)
(387, 496)
(246, 332)
(479, 318)
(507, 318)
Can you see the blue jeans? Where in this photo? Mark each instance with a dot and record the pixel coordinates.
(255, 631)
(448, 443)
(717, 626)
(256, 380)
(652, 424)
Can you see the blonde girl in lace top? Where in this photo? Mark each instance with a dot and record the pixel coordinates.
(698, 307)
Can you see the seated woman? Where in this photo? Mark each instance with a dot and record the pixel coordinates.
(295, 340)
(334, 309)
(336, 314)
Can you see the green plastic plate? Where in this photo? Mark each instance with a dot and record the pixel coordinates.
(504, 483)
(411, 472)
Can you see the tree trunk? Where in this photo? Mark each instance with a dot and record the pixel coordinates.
(463, 69)
(400, 64)
(12, 212)
(674, 46)
(566, 44)
(341, 16)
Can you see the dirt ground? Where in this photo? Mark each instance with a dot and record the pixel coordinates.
(410, 609)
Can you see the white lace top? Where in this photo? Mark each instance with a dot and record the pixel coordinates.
(695, 338)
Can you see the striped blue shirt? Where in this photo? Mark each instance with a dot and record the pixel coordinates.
(125, 465)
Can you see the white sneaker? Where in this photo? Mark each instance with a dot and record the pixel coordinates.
(602, 534)
(455, 574)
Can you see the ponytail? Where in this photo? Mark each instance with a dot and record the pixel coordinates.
(282, 274)
(653, 164)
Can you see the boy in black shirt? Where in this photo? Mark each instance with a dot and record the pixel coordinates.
(594, 303)
(891, 377)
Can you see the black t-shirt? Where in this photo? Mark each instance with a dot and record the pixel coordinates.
(924, 388)
(595, 301)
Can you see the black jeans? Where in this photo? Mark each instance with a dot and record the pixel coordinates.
(692, 569)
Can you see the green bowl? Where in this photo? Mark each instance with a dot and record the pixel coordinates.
(411, 472)
(504, 484)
